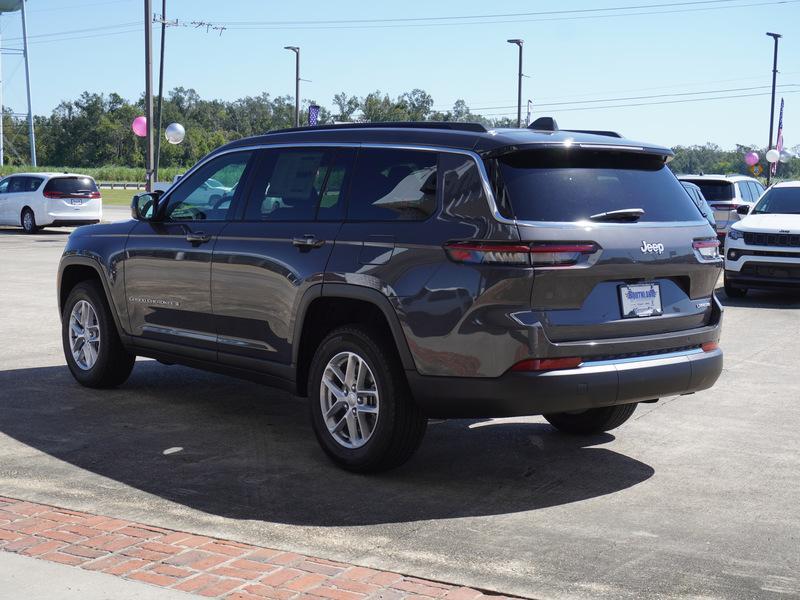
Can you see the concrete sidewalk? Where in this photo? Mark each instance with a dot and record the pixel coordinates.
(32, 579)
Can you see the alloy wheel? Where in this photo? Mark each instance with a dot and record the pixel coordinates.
(349, 399)
(84, 335)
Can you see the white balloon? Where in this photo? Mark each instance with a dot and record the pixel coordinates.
(175, 133)
(773, 156)
(785, 156)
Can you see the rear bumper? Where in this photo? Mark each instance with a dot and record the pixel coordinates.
(591, 385)
(72, 222)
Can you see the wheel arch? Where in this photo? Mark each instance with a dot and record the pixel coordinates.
(325, 307)
(76, 269)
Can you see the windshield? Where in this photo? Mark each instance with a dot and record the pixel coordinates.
(784, 201)
(567, 186)
(714, 190)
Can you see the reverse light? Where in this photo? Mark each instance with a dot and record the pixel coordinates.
(537, 254)
(546, 364)
(708, 249)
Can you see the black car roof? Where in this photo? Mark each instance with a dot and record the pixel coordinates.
(463, 136)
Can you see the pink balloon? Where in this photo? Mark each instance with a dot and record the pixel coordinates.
(751, 158)
(139, 126)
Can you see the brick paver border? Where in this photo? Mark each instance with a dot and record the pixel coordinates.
(199, 564)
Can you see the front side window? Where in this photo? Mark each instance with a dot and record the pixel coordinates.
(564, 186)
(393, 185)
(16, 184)
(207, 194)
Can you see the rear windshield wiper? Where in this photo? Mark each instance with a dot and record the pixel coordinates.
(625, 214)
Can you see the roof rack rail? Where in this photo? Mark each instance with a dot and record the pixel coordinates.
(447, 125)
(595, 132)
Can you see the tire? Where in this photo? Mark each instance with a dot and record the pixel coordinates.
(28, 221)
(112, 364)
(396, 427)
(733, 292)
(593, 420)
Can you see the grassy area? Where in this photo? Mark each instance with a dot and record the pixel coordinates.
(117, 197)
(102, 173)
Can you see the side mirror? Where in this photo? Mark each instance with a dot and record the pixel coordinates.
(143, 206)
(743, 209)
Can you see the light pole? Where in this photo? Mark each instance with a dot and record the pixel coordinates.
(31, 134)
(776, 37)
(296, 51)
(519, 81)
(148, 94)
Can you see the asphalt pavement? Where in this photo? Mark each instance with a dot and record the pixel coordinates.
(695, 497)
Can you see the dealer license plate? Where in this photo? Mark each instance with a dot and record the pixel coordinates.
(640, 300)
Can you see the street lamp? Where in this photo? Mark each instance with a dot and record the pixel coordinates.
(296, 51)
(776, 37)
(519, 81)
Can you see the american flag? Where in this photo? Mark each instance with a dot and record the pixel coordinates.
(779, 145)
(313, 115)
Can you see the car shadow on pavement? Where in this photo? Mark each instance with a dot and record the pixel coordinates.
(245, 451)
(779, 298)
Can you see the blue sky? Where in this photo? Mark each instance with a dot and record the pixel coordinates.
(718, 48)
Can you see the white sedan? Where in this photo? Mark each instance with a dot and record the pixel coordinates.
(763, 249)
(36, 200)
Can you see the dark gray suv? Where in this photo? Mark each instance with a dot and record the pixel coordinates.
(396, 272)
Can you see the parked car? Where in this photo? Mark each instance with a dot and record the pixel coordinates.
(725, 193)
(569, 275)
(696, 194)
(36, 200)
(763, 249)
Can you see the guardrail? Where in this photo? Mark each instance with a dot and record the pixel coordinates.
(124, 185)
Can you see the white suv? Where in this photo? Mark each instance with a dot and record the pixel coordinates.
(763, 249)
(36, 200)
(724, 194)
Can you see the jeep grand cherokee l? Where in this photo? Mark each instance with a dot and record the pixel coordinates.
(396, 272)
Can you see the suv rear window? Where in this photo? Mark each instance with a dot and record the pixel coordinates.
(71, 185)
(567, 186)
(714, 190)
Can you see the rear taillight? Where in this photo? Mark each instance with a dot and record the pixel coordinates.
(54, 195)
(538, 254)
(94, 195)
(709, 346)
(546, 364)
(707, 249)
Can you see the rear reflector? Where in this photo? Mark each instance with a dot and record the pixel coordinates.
(707, 248)
(547, 364)
(538, 254)
(710, 346)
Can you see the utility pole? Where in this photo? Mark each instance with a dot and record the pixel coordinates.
(2, 110)
(148, 94)
(775, 37)
(296, 51)
(31, 134)
(519, 81)
(160, 88)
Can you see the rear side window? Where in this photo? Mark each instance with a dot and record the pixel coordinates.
(288, 185)
(32, 184)
(755, 190)
(71, 185)
(393, 185)
(744, 191)
(714, 190)
(568, 186)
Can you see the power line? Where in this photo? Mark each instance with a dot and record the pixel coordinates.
(560, 110)
(483, 16)
(648, 97)
(242, 26)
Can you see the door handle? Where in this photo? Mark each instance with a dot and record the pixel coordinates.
(198, 237)
(307, 241)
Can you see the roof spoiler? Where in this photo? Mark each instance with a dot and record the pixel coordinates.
(549, 124)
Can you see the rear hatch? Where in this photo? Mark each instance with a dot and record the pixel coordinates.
(721, 197)
(72, 190)
(648, 267)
